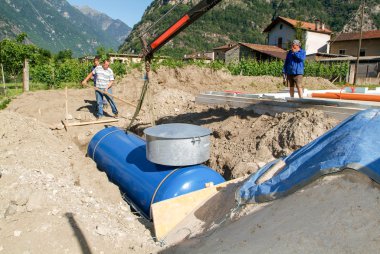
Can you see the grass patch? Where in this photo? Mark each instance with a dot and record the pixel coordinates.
(14, 89)
(4, 102)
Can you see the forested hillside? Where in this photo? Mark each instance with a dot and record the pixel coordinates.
(54, 25)
(242, 20)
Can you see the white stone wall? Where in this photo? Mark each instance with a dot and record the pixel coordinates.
(316, 42)
(287, 33)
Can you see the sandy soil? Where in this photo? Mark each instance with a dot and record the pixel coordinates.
(54, 199)
(335, 214)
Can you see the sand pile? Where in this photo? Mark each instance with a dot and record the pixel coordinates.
(194, 80)
(336, 214)
(54, 199)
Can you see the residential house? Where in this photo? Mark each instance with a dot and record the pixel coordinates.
(220, 52)
(254, 51)
(320, 56)
(124, 58)
(368, 68)
(205, 57)
(282, 31)
(348, 43)
(86, 59)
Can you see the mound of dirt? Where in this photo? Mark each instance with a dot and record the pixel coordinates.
(193, 79)
(336, 214)
(54, 199)
(243, 144)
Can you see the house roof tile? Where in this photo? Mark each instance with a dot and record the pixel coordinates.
(267, 49)
(293, 23)
(226, 47)
(374, 34)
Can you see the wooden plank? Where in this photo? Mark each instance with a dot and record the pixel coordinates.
(168, 214)
(66, 124)
(274, 170)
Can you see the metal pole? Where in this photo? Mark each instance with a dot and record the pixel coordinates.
(360, 45)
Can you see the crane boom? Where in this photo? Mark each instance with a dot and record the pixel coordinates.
(147, 53)
(195, 13)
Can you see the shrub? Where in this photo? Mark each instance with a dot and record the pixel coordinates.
(119, 69)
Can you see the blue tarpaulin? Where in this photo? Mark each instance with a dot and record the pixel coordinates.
(353, 144)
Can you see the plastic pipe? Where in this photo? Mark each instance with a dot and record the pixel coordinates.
(347, 96)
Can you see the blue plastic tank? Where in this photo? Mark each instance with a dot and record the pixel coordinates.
(123, 157)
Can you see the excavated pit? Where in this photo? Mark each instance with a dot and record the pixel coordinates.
(51, 193)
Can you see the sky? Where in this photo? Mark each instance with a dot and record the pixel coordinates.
(128, 11)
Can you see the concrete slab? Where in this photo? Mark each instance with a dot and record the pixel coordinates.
(339, 109)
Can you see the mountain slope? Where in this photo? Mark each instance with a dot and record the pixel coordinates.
(52, 24)
(240, 20)
(116, 29)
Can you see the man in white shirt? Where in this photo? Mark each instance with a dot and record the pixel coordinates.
(104, 80)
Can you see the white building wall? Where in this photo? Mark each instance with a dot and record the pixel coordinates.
(316, 42)
(287, 33)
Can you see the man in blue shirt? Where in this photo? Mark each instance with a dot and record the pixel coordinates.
(294, 67)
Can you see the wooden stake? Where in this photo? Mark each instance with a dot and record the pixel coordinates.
(66, 106)
(2, 74)
(25, 76)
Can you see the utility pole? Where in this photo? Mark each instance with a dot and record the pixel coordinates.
(360, 44)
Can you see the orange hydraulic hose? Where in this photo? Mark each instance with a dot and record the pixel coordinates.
(347, 96)
(174, 28)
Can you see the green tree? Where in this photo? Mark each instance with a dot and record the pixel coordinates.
(103, 53)
(14, 52)
(63, 55)
(300, 33)
(21, 37)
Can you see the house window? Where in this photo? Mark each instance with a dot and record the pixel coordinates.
(279, 42)
(342, 51)
(362, 52)
(280, 26)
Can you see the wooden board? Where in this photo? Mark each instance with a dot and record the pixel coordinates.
(66, 124)
(168, 214)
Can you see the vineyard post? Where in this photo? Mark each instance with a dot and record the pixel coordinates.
(2, 74)
(25, 79)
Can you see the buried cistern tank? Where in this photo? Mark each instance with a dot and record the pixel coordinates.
(165, 166)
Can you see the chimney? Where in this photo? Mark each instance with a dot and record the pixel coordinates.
(322, 26)
(316, 24)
